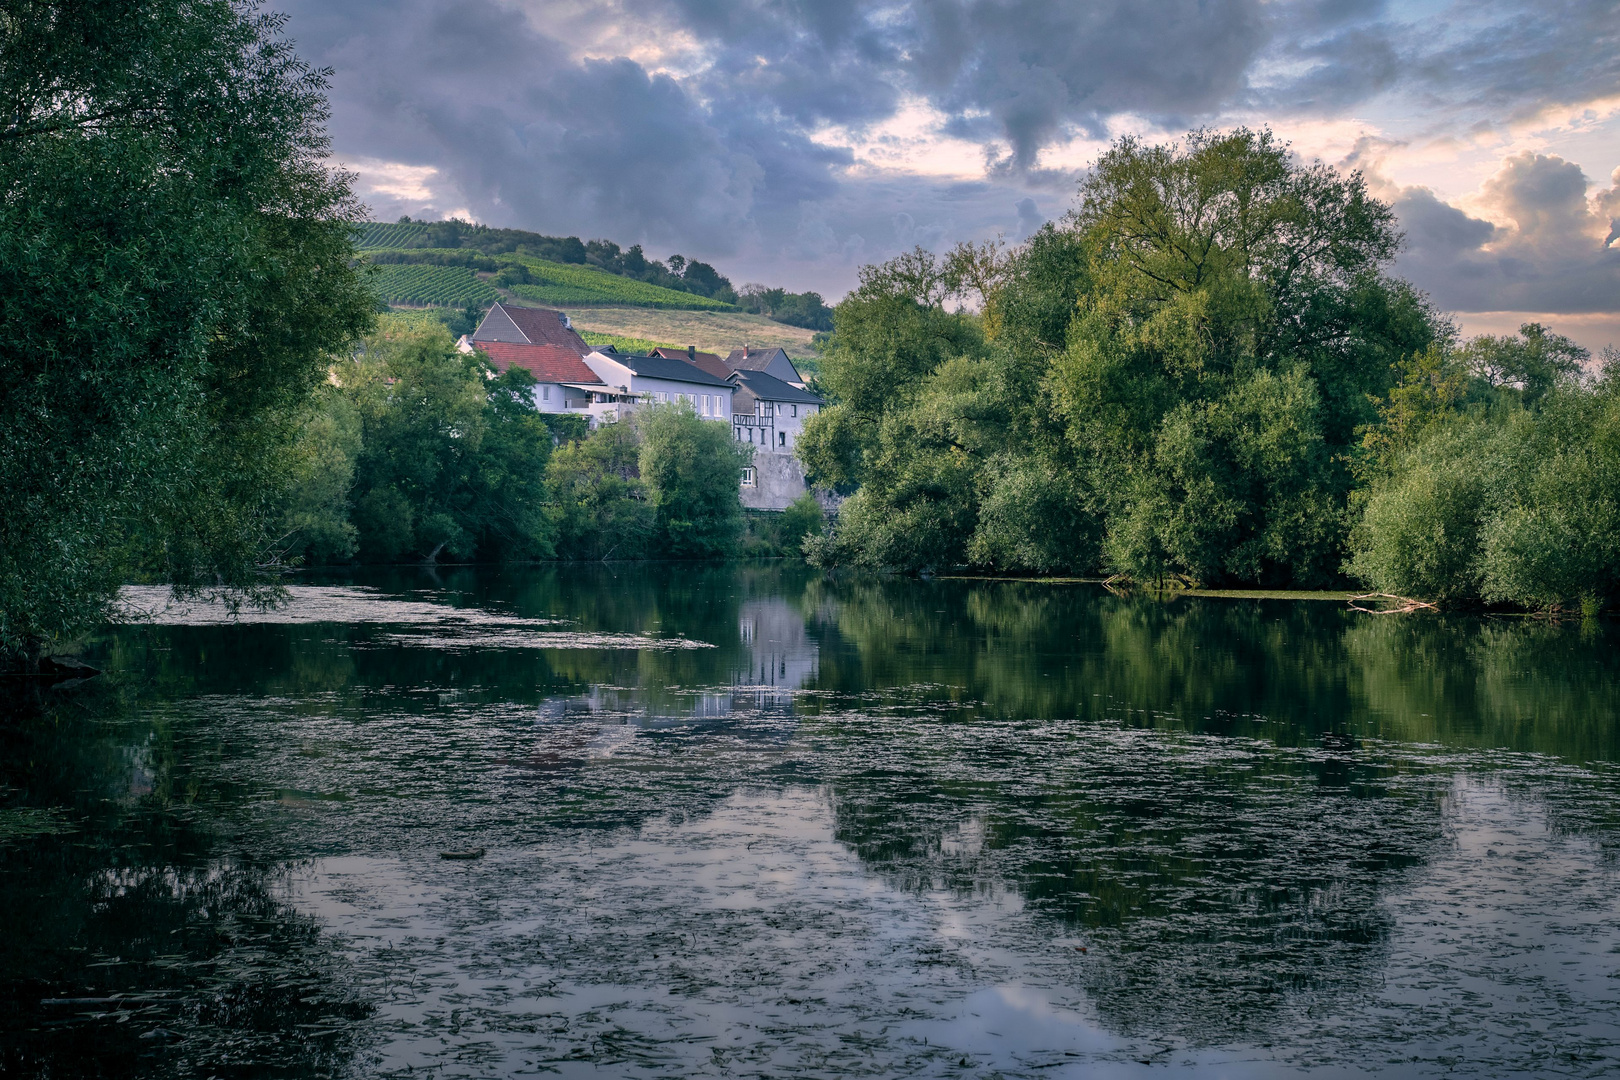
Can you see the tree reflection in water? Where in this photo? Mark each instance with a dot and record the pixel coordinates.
(1225, 803)
(138, 943)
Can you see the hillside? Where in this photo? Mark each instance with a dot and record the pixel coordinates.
(711, 331)
(452, 277)
(455, 263)
(532, 266)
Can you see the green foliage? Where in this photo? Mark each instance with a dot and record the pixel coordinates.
(805, 309)
(663, 485)
(775, 534)
(317, 519)
(1175, 380)
(431, 286)
(176, 263)
(692, 468)
(1516, 504)
(1528, 364)
(598, 502)
(420, 452)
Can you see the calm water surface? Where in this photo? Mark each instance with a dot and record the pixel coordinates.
(753, 822)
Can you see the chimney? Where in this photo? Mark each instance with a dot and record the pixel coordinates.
(745, 352)
(691, 352)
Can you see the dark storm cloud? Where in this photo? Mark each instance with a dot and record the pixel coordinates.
(718, 160)
(1036, 68)
(1515, 58)
(524, 132)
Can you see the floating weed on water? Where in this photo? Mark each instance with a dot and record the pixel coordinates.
(21, 823)
(432, 625)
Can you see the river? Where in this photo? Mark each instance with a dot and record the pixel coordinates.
(751, 821)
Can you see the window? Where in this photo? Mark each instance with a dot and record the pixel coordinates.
(795, 409)
(545, 393)
(781, 438)
(705, 404)
(663, 396)
(748, 476)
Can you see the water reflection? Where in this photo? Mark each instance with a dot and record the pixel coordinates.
(750, 820)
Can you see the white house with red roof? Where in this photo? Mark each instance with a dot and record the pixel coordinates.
(545, 344)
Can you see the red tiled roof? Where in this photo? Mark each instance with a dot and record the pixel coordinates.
(547, 363)
(544, 326)
(706, 361)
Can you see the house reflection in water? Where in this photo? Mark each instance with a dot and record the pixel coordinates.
(777, 658)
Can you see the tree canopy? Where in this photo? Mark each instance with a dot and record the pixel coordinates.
(175, 272)
(1172, 380)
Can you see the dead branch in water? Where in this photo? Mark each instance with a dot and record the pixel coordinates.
(1399, 605)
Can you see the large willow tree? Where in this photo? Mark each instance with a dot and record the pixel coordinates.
(175, 269)
(1170, 381)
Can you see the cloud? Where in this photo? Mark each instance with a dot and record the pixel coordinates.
(1540, 243)
(788, 140)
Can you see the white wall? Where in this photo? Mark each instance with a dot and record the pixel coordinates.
(553, 398)
(616, 374)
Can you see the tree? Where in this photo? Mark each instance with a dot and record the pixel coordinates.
(1507, 493)
(597, 500)
(175, 269)
(451, 458)
(1174, 380)
(693, 471)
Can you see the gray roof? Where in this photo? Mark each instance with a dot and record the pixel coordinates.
(656, 367)
(754, 359)
(770, 388)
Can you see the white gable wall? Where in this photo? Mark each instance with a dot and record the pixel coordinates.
(615, 374)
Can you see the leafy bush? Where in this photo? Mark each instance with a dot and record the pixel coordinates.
(1518, 503)
(419, 451)
(693, 471)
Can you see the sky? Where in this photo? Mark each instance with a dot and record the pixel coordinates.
(789, 142)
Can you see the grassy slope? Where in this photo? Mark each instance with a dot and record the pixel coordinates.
(711, 331)
(624, 308)
(562, 283)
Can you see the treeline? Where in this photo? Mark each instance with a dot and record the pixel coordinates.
(416, 451)
(678, 273)
(1206, 372)
(481, 243)
(805, 309)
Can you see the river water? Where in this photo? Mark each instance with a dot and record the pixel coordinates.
(749, 821)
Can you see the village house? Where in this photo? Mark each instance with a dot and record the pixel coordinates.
(654, 379)
(545, 344)
(758, 391)
(769, 414)
(772, 362)
(708, 361)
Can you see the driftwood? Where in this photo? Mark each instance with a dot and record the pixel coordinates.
(1394, 605)
(1119, 584)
